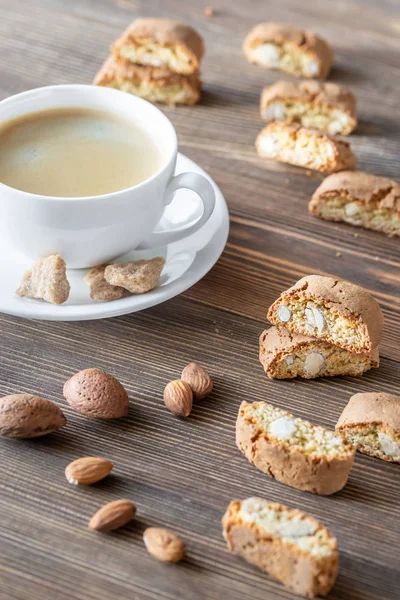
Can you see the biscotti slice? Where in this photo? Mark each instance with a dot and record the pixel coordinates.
(359, 199)
(289, 49)
(325, 106)
(333, 310)
(371, 421)
(161, 43)
(285, 355)
(293, 451)
(155, 84)
(296, 145)
(284, 542)
(46, 280)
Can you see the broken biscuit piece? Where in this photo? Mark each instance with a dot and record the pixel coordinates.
(138, 277)
(46, 280)
(359, 199)
(325, 106)
(155, 84)
(289, 49)
(293, 451)
(161, 43)
(100, 289)
(285, 355)
(333, 310)
(286, 543)
(371, 421)
(296, 145)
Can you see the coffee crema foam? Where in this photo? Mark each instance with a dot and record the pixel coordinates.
(75, 152)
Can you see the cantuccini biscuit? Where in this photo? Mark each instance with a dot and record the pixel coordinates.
(371, 421)
(285, 355)
(286, 543)
(289, 49)
(359, 199)
(161, 43)
(293, 451)
(156, 84)
(138, 277)
(325, 106)
(46, 280)
(291, 143)
(333, 310)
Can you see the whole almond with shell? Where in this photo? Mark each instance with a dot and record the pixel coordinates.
(113, 515)
(96, 394)
(28, 416)
(178, 398)
(88, 470)
(198, 379)
(163, 544)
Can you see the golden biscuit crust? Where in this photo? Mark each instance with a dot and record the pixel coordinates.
(291, 143)
(336, 298)
(291, 39)
(326, 106)
(359, 199)
(156, 84)
(155, 34)
(258, 530)
(285, 355)
(314, 461)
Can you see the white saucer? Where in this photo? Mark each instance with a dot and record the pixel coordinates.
(187, 262)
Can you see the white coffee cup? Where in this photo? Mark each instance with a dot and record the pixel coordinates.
(93, 230)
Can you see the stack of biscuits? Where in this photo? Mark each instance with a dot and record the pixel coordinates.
(156, 59)
(322, 327)
(302, 117)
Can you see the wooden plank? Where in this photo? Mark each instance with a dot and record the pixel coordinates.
(182, 474)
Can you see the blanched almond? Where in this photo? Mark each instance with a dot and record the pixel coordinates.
(113, 515)
(88, 470)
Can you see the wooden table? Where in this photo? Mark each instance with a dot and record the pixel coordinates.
(183, 473)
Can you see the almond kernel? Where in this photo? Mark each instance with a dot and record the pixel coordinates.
(88, 470)
(198, 379)
(178, 398)
(113, 515)
(163, 544)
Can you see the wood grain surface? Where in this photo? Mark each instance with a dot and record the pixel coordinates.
(183, 473)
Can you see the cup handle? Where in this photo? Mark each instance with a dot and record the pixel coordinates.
(192, 181)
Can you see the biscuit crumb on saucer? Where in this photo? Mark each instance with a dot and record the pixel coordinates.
(138, 277)
(46, 280)
(209, 11)
(100, 289)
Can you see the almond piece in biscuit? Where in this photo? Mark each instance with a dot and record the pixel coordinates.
(325, 106)
(289, 49)
(296, 145)
(293, 451)
(155, 84)
(286, 543)
(359, 199)
(371, 421)
(99, 288)
(47, 280)
(161, 43)
(333, 310)
(138, 277)
(285, 355)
